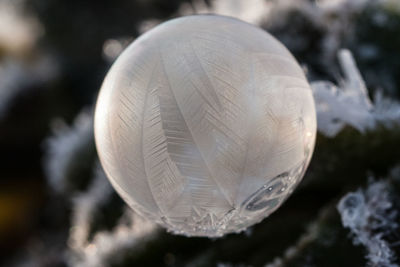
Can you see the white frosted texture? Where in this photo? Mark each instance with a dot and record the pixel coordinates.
(205, 125)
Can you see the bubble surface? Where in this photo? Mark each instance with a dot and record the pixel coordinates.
(205, 125)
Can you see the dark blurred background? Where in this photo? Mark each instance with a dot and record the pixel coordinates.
(53, 58)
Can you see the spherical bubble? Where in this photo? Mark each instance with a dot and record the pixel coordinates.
(205, 125)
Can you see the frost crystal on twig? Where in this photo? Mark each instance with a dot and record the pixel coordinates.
(349, 103)
(369, 216)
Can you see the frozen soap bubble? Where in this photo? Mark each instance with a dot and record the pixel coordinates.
(205, 125)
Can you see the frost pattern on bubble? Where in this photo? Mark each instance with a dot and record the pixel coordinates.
(205, 125)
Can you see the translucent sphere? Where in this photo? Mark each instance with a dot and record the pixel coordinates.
(205, 125)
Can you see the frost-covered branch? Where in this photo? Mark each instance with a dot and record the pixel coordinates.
(111, 246)
(370, 217)
(65, 147)
(349, 103)
(85, 205)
